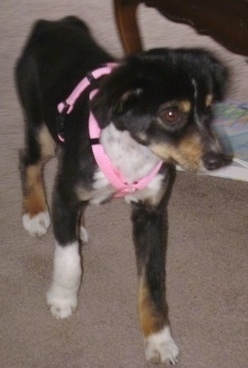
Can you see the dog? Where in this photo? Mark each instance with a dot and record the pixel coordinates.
(150, 111)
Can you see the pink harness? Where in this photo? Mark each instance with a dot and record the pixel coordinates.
(115, 177)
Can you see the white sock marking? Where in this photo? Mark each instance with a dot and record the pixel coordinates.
(36, 225)
(161, 348)
(63, 292)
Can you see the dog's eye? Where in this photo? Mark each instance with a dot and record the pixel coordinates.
(171, 115)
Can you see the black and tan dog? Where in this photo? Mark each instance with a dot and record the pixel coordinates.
(121, 129)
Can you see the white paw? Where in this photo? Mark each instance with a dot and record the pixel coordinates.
(61, 305)
(161, 348)
(63, 292)
(36, 225)
(83, 235)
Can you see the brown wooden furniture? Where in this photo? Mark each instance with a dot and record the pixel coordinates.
(226, 21)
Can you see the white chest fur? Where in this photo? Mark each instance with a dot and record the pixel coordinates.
(132, 159)
(128, 156)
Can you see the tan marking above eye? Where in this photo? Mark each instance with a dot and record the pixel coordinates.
(209, 100)
(185, 106)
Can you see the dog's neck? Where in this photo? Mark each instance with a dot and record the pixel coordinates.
(134, 160)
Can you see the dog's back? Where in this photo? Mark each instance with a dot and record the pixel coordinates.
(56, 56)
(66, 42)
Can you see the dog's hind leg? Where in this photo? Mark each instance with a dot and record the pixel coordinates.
(36, 218)
(149, 231)
(39, 148)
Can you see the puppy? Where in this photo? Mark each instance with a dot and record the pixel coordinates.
(120, 128)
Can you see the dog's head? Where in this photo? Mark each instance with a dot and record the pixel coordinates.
(164, 98)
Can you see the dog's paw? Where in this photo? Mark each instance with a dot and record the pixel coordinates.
(61, 305)
(161, 348)
(36, 225)
(83, 234)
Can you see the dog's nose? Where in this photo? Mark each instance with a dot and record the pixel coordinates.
(213, 161)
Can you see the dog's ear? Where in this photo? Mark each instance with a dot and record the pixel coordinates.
(113, 101)
(210, 74)
(219, 75)
(126, 102)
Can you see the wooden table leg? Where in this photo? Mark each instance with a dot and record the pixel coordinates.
(125, 15)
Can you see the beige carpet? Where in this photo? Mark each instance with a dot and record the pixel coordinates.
(207, 259)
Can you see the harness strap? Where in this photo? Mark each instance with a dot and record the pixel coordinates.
(66, 107)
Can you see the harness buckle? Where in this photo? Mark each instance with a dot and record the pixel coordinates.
(60, 121)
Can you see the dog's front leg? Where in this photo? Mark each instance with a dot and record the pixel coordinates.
(150, 237)
(63, 292)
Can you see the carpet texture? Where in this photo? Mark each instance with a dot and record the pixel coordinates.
(207, 270)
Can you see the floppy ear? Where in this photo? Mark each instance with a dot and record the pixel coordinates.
(219, 74)
(106, 107)
(204, 65)
(126, 102)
